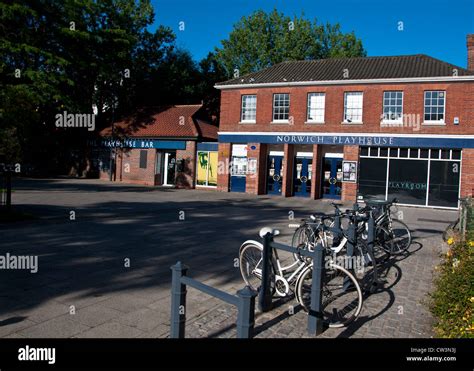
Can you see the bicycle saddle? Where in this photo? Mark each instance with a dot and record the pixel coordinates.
(266, 230)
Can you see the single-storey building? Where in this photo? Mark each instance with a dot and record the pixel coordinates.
(169, 146)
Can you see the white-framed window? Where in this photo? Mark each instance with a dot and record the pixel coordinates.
(316, 103)
(353, 107)
(393, 106)
(249, 108)
(281, 107)
(435, 104)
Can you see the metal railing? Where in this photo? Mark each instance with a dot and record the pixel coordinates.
(244, 301)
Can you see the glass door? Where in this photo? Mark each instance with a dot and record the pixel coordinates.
(170, 168)
(332, 178)
(302, 176)
(274, 176)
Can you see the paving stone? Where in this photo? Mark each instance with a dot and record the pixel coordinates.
(58, 327)
(111, 330)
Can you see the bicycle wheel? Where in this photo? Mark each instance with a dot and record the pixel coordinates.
(394, 237)
(251, 264)
(341, 296)
(302, 236)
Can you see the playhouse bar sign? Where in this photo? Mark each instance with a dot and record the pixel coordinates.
(337, 139)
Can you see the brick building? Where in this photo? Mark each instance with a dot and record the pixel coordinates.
(157, 146)
(352, 128)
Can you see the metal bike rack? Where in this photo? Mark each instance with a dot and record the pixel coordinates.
(315, 316)
(244, 301)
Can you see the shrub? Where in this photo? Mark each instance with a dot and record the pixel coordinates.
(452, 302)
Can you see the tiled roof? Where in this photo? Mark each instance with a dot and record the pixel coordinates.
(361, 68)
(170, 121)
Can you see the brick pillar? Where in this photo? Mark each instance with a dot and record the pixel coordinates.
(186, 159)
(287, 171)
(349, 190)
(470, 52)
(316, 176)
(255, 183)
(223, 169)
(467, 172)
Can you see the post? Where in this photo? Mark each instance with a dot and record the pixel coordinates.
(315, 315)
(370, 250)
(265, 294)
(246, 313)
(9, 190)
(178, 301)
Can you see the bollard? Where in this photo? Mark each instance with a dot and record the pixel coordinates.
(9, 190)
(315, 315)
(265, 294)
(178, 301)
(246, 313)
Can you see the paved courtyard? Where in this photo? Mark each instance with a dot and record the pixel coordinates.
(107, 273)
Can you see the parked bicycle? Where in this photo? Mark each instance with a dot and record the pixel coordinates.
(392, 235)
(341, 298)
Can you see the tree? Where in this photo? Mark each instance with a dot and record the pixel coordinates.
(264, 39)
(66, 56)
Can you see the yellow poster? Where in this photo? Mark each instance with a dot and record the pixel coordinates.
(203, 160)
(212, 169)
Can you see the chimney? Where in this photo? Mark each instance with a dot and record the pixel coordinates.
(470, 52)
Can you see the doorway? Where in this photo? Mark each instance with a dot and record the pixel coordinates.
(302, 176)
(165, 169)
(274, 174)
(332, 178)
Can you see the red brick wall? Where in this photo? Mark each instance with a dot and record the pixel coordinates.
(255, 183)
(287, 170)
(467, 173)
(349, 190)
(459, 103)
(316, 174)
(185, 179)
(223, 173)
(128, 167)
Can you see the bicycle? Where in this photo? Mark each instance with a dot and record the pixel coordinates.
(342, 295)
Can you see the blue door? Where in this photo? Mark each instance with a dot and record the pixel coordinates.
(332, 178)
(302, 175)
(238, 177)
(274, 176)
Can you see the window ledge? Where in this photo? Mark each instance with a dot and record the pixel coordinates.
(314, 122)
(352, 123)
(433, 123)
(391, 123)
(247, 122)
(286, 122)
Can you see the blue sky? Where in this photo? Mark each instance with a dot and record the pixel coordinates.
(434, 27)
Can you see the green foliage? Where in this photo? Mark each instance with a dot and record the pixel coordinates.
(452, 302)
(264, 39)
(67, 56)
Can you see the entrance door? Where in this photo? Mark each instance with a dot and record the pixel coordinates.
(302, 176)
(274, 177)
(332, 178)
(169, 168)
(238, 178)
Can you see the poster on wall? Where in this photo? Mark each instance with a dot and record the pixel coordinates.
(349, 170)
(252, 166)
